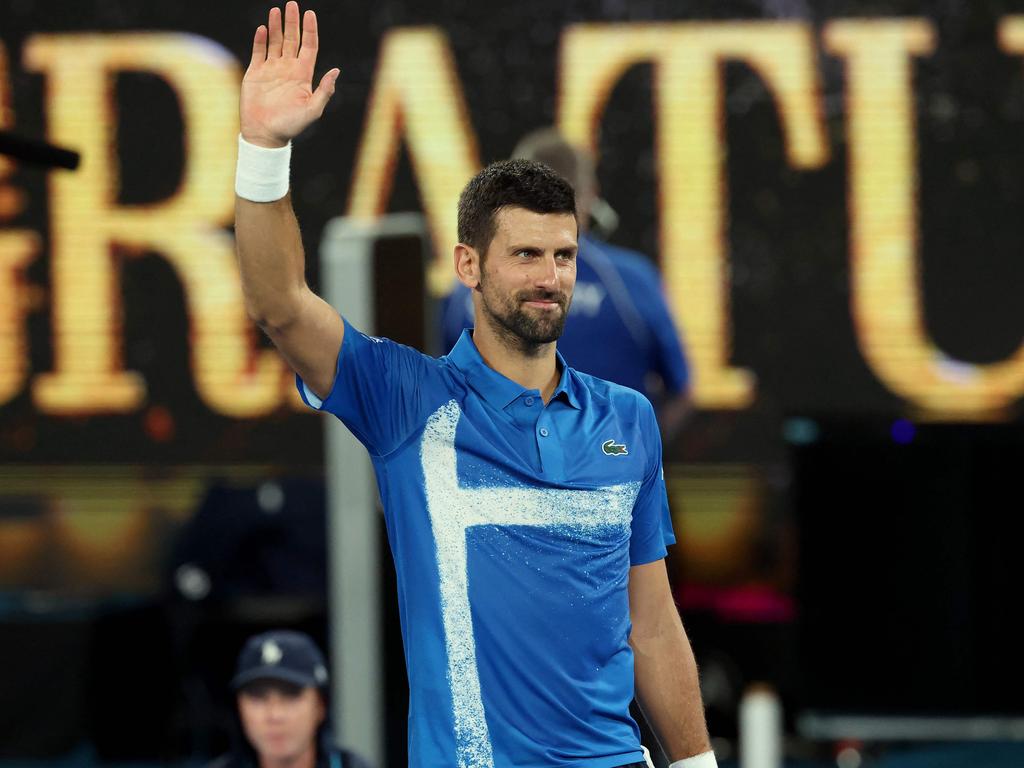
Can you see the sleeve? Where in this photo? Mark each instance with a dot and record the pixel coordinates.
(380, 390)
(456, 315)
(670, 358)
(651, 531)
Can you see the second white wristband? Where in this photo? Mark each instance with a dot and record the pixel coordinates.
(262, 173)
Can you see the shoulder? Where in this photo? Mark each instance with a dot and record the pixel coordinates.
(390, 363)
(382, 388)
(458, 289)
(619, 415)
(457, 301)
(626, 261)
(608, 394)
(456, 296)
(364, 344)
(367, 340)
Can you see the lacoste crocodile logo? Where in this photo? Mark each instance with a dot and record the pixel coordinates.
(611, 448)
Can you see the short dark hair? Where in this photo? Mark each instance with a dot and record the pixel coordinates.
(509, 184)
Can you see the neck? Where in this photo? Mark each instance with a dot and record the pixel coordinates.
(533, 366)
(305, 759)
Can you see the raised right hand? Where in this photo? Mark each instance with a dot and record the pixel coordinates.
(278, 100)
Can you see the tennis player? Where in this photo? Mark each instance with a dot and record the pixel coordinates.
(524, 501)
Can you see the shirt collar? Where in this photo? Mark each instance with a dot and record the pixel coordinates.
(499, 390)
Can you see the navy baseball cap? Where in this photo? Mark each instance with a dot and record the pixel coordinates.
(281, 655)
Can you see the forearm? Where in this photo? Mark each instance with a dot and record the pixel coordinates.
(270, 260)
(668, 688)
(276, 104)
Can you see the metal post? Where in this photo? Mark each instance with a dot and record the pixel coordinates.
(760, 728)
(353, 525)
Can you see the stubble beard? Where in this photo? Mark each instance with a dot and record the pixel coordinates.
(517, 328)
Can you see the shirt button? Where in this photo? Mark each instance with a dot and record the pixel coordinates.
(543, 431)
(528, 401)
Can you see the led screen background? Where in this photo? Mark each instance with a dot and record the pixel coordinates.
(831, 194)
(832, 191)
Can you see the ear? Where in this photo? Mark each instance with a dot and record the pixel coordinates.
(467, 265)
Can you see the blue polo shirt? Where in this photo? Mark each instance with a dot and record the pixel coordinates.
(513, 525)
(618, 299)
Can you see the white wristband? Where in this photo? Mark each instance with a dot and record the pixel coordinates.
(703, 760)
(262, 172)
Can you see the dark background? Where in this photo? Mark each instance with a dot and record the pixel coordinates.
(896, 560)
(787, 229)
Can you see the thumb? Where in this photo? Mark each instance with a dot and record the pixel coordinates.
(324, 91)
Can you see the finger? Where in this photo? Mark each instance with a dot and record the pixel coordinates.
(274, 34)
(323, 92)
(291, 30)
(259, 46)
(310, 38)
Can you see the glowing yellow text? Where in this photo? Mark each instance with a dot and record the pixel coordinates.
(17, 249)
(885, 265)
(691, 152)
(417, 94)
(88, 377)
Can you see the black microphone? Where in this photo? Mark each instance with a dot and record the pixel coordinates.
(36, 152)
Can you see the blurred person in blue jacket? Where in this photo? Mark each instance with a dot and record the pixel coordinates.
(622, 329)
(281, 690)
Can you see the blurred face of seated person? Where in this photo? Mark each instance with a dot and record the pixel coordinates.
(280, 721)
(525, 278)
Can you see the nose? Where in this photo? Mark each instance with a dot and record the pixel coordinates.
(546, 273)
(275, 706)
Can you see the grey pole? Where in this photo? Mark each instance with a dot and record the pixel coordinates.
(353, 524)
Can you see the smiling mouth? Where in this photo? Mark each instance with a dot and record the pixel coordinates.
(544, 302)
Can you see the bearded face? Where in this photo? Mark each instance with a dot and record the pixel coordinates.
(526, 277)
(532, 317)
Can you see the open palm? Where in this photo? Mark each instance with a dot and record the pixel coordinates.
(278, 100)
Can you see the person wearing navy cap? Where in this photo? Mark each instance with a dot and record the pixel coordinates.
(281, 691)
